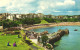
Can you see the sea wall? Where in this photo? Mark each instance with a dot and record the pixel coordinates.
(57, 36)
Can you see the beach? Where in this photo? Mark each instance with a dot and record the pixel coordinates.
(53, 25)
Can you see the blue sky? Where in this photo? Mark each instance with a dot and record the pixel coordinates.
(54, 7)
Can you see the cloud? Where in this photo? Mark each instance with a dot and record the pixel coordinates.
(4, 2)
(67, 11)
(66, 2)
(39, 11)
(20, 6)
(73, 11)
(57, 11)
(54, 6)
(40, 6)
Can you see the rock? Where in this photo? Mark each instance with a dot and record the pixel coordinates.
(44, 33)
(66, 31)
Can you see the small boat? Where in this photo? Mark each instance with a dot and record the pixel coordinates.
(75, 30)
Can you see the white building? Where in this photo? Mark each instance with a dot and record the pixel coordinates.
(40, 15)
(1, 28)
(10, 17)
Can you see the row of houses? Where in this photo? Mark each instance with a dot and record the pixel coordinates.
(10, 16)
(13, 17)
(67, 16)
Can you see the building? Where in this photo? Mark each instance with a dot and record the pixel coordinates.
(3, 16)
(48, 16)
(1, 28)
(40, 15)
(10, 16)
(30, 15)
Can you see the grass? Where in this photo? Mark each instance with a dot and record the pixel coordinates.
(40, 48)
(43, 22)
(12, 38)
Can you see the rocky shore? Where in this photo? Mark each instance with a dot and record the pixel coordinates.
(55, 36)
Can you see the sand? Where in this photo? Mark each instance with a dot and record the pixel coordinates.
(53, 25)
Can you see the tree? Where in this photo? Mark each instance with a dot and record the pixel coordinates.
(9, 23)
(36, 20)
(44, 38)
(50, 20)
(30, 21)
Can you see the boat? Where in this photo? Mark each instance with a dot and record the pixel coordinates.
(75, 30)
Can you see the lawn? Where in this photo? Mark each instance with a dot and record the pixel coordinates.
(12, 38)
(39, 48)
(43, 22)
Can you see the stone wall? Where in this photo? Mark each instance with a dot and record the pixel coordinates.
(57, 36)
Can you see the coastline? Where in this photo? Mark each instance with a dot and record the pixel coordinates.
(53, 25)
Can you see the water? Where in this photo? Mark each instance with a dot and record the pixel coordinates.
(67, 42)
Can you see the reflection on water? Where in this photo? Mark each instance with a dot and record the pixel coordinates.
(67, 42)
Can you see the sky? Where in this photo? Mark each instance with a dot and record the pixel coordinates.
(54, 7)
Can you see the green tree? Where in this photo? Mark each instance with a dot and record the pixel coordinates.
(10, 23)
(30, 21)
(36, 20)
(44, 38)
(50, 20)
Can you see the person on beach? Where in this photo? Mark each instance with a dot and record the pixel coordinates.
(14, 44)
(8, 44)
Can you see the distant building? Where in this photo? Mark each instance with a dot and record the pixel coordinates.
(59, 17)
(48, 16)
(40, 15)
(18, 16)
(10, 16)
(30, 15)
(4, 16)
(1, 28)
(65, 17)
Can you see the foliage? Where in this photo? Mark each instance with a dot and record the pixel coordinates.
(48, 46)
(44, 38)
(50, 20)
(36, 20)
(30, 21)
(0, 23)
(9, 23)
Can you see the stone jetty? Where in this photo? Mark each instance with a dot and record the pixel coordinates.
(54, 37)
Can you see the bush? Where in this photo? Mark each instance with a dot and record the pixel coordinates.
(9, 23)
(30, 21)
(44, 38)
(50, 20)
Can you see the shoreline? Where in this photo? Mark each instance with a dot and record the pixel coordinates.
(53, 25)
